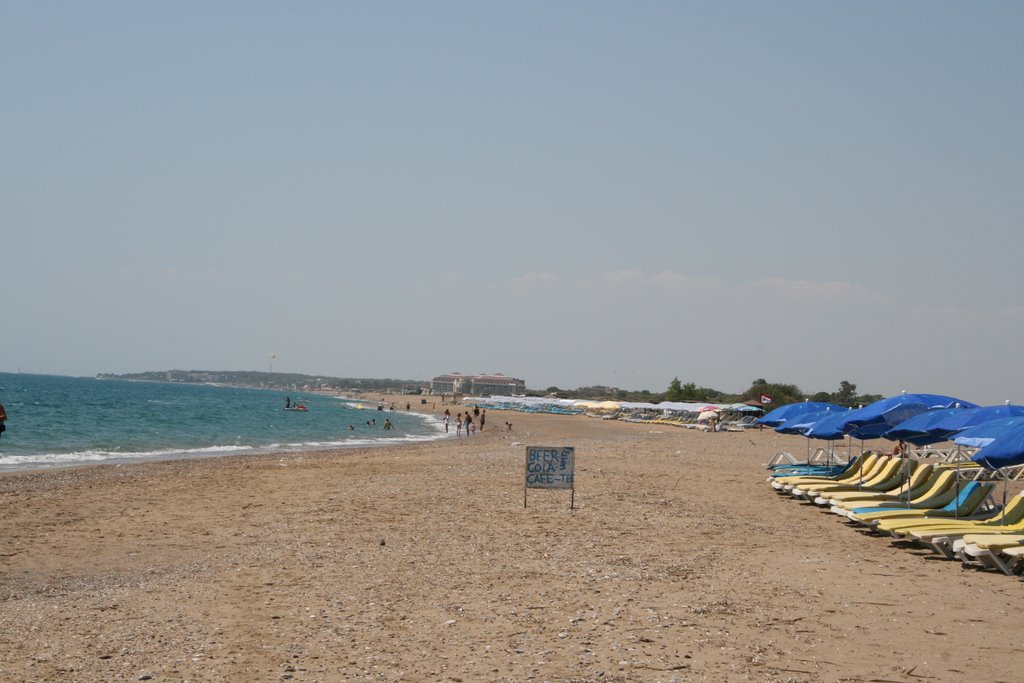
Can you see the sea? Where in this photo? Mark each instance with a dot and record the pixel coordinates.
(55, 421)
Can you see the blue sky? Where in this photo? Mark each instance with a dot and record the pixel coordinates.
(571, 193)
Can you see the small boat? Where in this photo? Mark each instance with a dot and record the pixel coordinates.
(298, 407)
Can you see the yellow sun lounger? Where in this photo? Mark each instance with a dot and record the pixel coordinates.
(940, 536)
(890, 475)
(986, 549)
(972, 498)
(861, 468)
(918, 483)
(941, 492)
(940, 489)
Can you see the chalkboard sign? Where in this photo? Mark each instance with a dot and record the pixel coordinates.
(550, 467)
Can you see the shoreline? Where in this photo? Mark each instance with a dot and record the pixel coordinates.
(45, 461)
(419, 562)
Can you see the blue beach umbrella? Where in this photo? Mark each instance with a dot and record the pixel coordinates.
(830, 427)
(1006, 448)
(1000, 444)
(792, 410)
(874, 420)
(920, 429)
(980, 436)
(961, 420)
(798, 423)
(801, 424)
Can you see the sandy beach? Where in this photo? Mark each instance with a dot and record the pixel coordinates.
(420, 563)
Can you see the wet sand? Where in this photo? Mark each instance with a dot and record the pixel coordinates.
(420, 563)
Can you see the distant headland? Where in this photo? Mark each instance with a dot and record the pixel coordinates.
(761, 392)
(275, 380)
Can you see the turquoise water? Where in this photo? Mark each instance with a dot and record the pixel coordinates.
(56, 421)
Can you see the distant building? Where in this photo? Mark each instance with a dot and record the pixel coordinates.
(452, 383)
(496, 384)
(477, 385)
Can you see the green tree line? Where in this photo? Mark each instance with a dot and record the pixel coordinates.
(688, 392)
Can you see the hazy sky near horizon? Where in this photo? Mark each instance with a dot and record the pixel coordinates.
(572, 193)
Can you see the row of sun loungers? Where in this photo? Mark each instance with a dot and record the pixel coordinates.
(687, 421)
(820, 456)
(740, 425)
(940, 506)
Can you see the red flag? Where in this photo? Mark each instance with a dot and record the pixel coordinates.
(766, 399)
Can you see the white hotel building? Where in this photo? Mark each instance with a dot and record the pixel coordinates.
(477, 385)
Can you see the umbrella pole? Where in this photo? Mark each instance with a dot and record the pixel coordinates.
(1006, 482)
(860, 469)
(906, 472)
(860, 483)
(956, 512)
(908, 494)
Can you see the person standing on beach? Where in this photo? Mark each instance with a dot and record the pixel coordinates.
(445, 424)
(458, 425)
(483, 418)
(469, 422)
